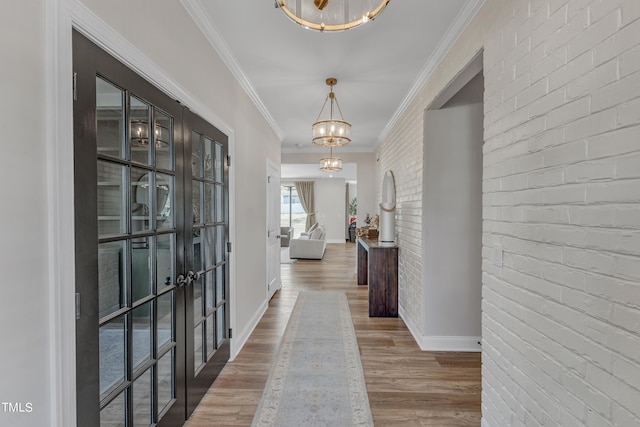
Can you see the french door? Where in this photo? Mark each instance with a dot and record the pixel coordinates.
(151, 217)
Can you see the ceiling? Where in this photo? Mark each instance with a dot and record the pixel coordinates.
(379, 65)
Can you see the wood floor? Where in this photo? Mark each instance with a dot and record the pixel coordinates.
(406, 386)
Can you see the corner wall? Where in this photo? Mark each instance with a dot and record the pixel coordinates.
(560, 195)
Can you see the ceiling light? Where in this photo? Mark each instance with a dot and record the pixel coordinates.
(331, 132)
(331, 15)
(331, 164)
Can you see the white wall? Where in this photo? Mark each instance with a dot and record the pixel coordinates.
(24, 353)
(330, 207)
(560, 194)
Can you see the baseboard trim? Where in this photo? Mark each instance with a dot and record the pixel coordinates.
(336, 241)
(239, 340)
(441, 343)
(451, 343)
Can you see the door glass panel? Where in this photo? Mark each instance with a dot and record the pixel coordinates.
(197, 347)
(221, 324)
(208, 158)
(195, 201)
(139, 111)
(197, 299)
(142, 327)
(112, 354)
(165, 319)
(210, 337)
(142, 400)
(209, 246)
(164, 201)
(110, 119)
(165, 381)
(140, 200)
(196, 155)
(219, 170)
(208, 203)
(165, 259)
(163, 135)
(219, 204)
(219, 284)
(219, 243)
(197, 250)
(111, 198)
(113, 415)
(140, 268)
(209, 283)
(111, 277)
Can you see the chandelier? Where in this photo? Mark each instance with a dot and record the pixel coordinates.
(331, 15)
(332, 132)
(140, 134)
(331, 164)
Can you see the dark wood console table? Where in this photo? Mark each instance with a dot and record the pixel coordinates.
(378, 267)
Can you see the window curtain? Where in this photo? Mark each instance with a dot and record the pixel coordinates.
(305, 194)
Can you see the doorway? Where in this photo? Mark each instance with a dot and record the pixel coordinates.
(151, 229)
(452, 214)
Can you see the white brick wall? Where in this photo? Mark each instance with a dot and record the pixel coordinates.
(561, 194)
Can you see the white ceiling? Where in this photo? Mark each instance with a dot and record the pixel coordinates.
(379, 65)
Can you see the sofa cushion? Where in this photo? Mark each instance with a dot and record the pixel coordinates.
(317, 233)
(312, 228)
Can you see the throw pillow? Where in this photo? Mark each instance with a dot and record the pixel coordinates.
(317, 234)
(312, 228)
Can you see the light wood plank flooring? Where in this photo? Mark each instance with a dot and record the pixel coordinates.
(406, 386)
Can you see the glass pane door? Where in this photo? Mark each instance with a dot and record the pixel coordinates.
(151, 230)
(129, 231)
(208, 296)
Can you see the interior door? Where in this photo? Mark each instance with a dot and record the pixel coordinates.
(136, 262)
(273, 229)
(207, 256)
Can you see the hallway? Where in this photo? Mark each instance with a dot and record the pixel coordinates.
(406, 386)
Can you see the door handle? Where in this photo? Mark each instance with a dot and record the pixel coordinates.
(181, 281)
(193, 276)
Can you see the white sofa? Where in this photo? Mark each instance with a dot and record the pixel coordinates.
(310, 245)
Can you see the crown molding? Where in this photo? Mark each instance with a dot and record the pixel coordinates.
(461, 22)
(199, 15)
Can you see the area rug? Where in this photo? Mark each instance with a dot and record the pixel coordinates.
(317, 378)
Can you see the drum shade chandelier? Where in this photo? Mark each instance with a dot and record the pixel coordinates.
(331, 132)
(331, 164)
(331, 15)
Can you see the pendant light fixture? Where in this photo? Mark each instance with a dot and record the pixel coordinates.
(331, 132)
(331, 15)
(331, 164)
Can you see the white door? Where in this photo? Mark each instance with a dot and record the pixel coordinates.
(273, 228)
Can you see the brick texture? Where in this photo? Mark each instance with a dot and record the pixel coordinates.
(561, 195)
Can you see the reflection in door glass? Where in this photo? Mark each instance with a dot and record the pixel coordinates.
(112, 354)
(142, 400)
(112, 257)
(141, 199)
(165, 381)
(165, 319)
(109, 119)
(140, 268)
(113, 415)
(165, 260)
(112, 180)
(163, 137)
(139, 129)
(164, 201)
(142, 326)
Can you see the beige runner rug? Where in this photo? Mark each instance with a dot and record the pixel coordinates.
(317, 378)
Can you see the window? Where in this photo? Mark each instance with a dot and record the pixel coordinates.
(291, 211)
